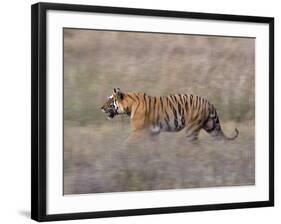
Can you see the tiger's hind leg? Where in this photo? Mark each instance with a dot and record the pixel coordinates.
(213, 127)
(193, 132)
(193, 136)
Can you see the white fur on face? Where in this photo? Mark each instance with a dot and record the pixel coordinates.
(115, 103)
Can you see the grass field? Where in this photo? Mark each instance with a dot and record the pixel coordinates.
(96, 159)
(98, 165)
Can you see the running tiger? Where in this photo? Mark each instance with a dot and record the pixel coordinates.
(151, 115)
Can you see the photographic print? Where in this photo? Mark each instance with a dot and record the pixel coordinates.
(142, 111)
(157, 111)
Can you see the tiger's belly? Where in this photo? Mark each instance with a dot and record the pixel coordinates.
(168, 126)
(172, 128)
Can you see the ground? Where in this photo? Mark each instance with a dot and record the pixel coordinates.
(92, 165)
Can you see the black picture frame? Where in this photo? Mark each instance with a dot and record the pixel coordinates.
(39, 121)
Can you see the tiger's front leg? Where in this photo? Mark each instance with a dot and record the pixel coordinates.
(139, 128)
(137, 136)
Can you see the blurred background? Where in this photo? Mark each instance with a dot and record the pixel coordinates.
(96, 159)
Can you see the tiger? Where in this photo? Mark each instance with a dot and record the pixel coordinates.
(151, 115)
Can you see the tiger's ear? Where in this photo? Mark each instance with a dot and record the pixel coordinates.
(118, 93)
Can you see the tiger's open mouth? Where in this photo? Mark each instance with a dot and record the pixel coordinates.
(110, 113)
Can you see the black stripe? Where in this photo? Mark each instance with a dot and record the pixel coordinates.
(170, 103)
(186, 105)
(157, 112)
(144, 99)
(137, 105)
(183, 97)
(197, 101)
(168, 125)
(130, 97)
(174, 112)
(167, 115)
(161, 102)
(183, 120)
(154, 111)
(149, 101)
(194, 102)
(183, 112)
(167, 100)
(217, 121)
(179, 108)
(170, 99)
(176, 123)
(127, 111)
(186, 96)
(201, 102)
(137, 96)
(181, 100)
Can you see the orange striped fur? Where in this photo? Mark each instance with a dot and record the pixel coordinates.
(152, 114)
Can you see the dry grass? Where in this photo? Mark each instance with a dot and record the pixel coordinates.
(103, 163)
(95, 157)
(220, 69)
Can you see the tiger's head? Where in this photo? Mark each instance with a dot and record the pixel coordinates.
(113, 105)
